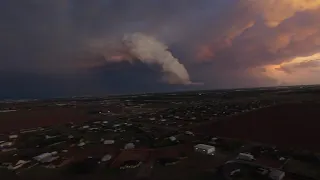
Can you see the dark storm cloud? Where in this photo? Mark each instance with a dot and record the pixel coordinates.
(99, 81)
(52, 35)
(213, 75)
(132, 79)
(52, 38)
(224, 43)
(35, 35)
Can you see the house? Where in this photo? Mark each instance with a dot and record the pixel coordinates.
(206, 149)
(50, 137)
(282, 159)
(13, 136)
(189, 133)
(81, 144)
(46, 157)
(172, 138)
(108, 142)
(152, 119)
(85, 127)
(6, 144)
(129, 146)
(93, 129)
(246, 157)
(106, 157)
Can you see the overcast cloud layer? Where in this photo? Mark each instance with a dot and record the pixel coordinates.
(72, 44)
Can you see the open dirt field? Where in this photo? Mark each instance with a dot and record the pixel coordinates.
(287, 125)
(11, 121)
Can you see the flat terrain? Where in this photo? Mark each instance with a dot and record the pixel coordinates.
(276, 125)
(290, 125)
(12, 121)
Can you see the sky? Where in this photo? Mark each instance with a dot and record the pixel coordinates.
(57, 48)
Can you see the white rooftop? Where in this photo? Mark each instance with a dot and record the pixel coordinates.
(106, 158)
(203, 146)
(13, 136)
(129, 146)
(108, 142)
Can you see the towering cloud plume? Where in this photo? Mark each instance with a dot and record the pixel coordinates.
(150, 51)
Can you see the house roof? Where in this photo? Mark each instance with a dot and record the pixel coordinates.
(204, 146)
